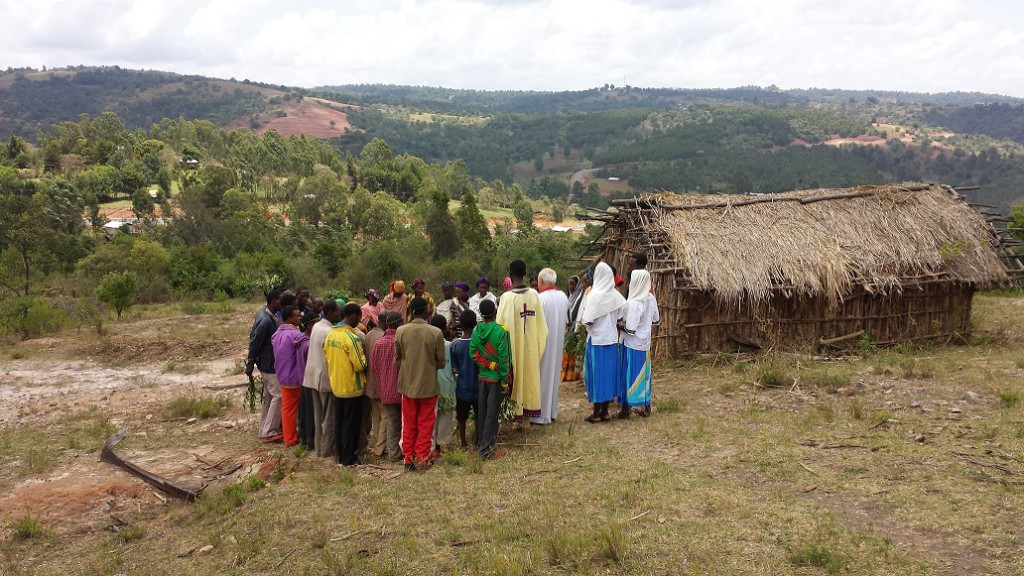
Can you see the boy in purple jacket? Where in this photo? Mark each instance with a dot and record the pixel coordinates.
(287, 342)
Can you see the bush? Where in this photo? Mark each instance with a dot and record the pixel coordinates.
(28, 526)
(119, 290)
(199, 269)
(205, 407)
(775, 378)
(30, 317)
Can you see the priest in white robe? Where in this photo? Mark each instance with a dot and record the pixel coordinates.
(555, 305)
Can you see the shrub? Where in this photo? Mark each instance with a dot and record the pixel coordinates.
(119, 290)
(775, 378)
(28, 526)
(205, 407)
(30, 317)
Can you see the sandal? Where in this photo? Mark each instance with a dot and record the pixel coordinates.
(593, 418)
(605, 418)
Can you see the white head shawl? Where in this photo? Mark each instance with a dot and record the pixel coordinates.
(640, 285)
(603, 297)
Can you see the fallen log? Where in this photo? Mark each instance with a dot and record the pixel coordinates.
(187, 493)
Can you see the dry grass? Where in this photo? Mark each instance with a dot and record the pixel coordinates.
(861, 466)
(824, 248)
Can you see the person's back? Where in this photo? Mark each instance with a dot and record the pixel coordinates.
(385, 374)
(520, 311)
(385, 371)
(490, 349)
(466, 386)
(419, 351)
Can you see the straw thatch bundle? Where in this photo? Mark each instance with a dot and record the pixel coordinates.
(892, 263)
(822, 242)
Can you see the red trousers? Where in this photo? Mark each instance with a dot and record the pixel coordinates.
(290, 414)
(418, 428)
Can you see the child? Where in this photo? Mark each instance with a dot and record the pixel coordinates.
(467, 386)
(490, 349)
(286, 342)
(446, 398)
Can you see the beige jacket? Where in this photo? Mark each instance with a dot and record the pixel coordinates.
(316, 365)
(419, 354)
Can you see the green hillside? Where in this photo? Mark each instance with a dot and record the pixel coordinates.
(746, 139)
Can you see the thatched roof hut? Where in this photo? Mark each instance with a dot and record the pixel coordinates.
(809, 268)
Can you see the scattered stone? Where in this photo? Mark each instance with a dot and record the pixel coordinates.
(205, 549)
(915, 404)
(972, 397)
(862, 384)
(955, 411)
(919, 438)
(192, 420)
(149, 416)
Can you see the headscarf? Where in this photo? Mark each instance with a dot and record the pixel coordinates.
(483, 281)
(574, 299)
(446, 284)
(603, 297)
(373, 292)
(507, 284)
(398, 287)
(418, 282)
(463, 286)
(640, 285)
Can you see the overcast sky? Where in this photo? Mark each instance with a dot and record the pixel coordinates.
(913, 45)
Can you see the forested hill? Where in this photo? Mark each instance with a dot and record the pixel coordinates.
(610, 97)
(33, 100)
(621, 139)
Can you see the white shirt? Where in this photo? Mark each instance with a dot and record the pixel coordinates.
(639, 317)
(604, 330)
(475, 300)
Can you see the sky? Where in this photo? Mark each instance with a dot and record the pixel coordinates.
(909, 45)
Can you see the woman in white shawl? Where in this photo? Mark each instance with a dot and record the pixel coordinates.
(641, 313)
(601, 313)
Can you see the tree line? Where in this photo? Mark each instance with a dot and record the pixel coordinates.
(251, 212)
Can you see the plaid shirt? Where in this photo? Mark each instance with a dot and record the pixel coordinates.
(385, 371)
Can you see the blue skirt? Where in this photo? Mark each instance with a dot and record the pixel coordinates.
(601, 369)
(636, 379)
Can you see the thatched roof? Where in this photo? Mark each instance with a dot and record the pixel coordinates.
(825, 242)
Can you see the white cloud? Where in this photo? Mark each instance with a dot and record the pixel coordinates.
(932, 45)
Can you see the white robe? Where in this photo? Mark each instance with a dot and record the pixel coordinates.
(556, 308)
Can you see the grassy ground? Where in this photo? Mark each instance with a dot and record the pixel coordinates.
(906, 461)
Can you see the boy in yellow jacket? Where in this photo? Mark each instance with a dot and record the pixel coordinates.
(346, 362)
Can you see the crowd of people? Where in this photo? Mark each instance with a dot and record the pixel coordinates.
(398, 376)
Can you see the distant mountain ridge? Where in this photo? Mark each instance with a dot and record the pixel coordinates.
(610, 97)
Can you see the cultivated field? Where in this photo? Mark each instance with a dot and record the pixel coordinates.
(882, 462)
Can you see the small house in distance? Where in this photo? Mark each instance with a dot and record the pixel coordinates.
(799, 270)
